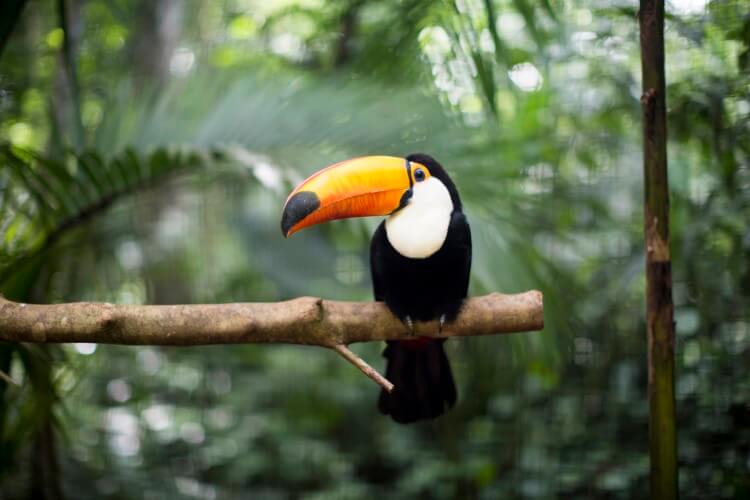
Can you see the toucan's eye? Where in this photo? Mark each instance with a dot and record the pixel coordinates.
(419, 175)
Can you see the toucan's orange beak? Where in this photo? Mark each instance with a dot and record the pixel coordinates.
(371, 185)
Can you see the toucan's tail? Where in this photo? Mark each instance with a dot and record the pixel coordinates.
(421, 374)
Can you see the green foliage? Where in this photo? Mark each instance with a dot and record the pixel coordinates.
(45, 198)
(533, 108)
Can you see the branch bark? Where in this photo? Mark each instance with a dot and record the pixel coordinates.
(306, 320)
(360, 363)
(659, 308)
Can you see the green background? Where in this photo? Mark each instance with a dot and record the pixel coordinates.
(146, 154)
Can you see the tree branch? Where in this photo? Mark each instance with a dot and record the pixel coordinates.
(8, 379)
(360, 363)
(306, 320)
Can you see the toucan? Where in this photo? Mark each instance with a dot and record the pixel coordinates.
(420, 259)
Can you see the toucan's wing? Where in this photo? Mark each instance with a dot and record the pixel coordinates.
(376, 262)
(460, 227)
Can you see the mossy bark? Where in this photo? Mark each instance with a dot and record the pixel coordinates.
(659, 307)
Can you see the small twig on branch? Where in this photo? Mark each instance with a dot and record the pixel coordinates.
(360, 363)
(8, 378)
(307, 320)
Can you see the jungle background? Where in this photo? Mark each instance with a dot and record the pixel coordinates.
(146, 151)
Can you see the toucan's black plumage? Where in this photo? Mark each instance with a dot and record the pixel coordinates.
(422, 289)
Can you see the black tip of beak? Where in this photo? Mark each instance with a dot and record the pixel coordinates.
(297, 208)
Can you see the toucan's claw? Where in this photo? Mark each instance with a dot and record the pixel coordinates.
(441, 323)
(410, 324)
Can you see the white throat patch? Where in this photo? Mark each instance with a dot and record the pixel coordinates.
(419, 229)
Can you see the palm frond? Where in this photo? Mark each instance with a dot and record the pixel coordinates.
(44, 197)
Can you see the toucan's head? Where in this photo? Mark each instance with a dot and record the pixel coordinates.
(372, 185)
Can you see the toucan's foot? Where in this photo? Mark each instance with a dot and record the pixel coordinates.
(441, 323)
(410, 324)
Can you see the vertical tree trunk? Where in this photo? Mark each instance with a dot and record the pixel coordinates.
(659, 308)
(45, 471)
(159, 25)
(10, 13)
(65, 107)
(348, 27)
